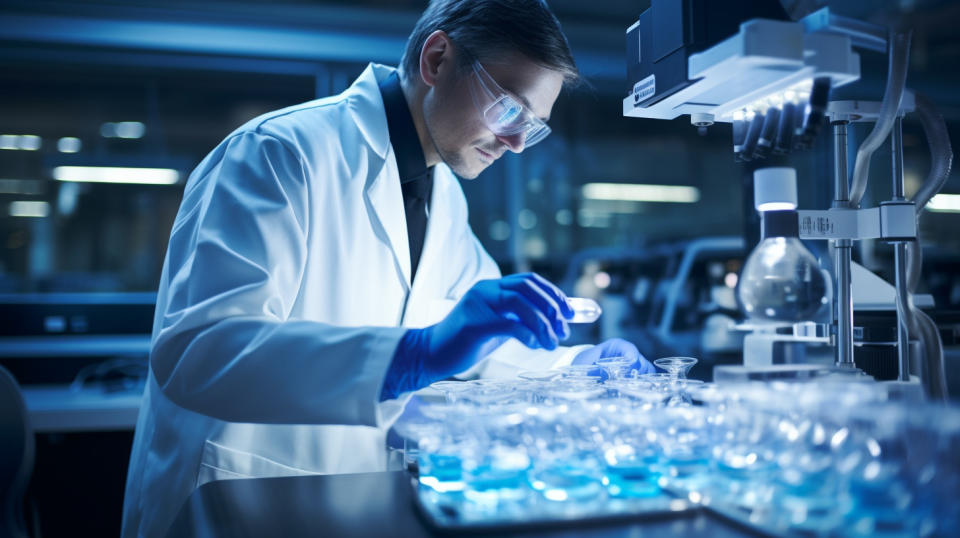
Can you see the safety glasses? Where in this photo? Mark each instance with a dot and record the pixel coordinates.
(503, 114)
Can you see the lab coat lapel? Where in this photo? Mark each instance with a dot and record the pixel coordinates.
(382, 190)
(427, 300)
(386, 203)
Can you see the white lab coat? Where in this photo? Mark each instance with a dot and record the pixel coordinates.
(284, 293)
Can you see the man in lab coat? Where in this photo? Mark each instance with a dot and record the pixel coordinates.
(321, 266)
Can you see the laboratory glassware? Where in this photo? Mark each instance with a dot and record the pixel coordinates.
(615, 367)
(584, 310)
(782, 281)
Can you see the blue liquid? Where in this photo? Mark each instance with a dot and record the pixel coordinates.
(758, 471)
(489, 485)
(881, 507)
(808, 502)
(562, 483)
(633, 479)
(685, 466)
(441, 472)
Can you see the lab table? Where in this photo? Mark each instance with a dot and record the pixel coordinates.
(372, 504)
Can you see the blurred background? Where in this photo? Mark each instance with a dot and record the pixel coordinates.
(157, 84)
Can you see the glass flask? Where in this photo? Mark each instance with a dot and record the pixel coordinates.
(782, 281)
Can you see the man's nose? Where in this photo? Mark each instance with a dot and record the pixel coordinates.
(514, 142)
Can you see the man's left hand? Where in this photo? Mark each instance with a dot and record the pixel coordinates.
(615, 347)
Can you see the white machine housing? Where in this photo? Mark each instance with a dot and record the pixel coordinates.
(765, 63)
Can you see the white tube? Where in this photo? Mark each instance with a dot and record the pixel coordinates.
(941, 153)
(896, 81)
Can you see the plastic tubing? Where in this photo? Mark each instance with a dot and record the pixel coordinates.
(890, 107)
(941, 155)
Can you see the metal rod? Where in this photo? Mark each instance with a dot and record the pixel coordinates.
(844, 355)
(903, 332)
(841, 185)
(900, 257)
(897, 150)
(842, 254)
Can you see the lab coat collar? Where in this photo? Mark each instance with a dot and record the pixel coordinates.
(411, 162)
(367, 107)
(383, 193)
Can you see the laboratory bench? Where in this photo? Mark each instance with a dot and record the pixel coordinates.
(378, 504)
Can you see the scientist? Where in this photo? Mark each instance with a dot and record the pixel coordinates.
(321, 266)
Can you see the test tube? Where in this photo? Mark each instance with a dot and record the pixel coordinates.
(768, 133)
(753, 135)
(784, 142)
(584, 310)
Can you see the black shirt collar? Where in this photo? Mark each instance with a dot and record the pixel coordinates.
(411, 163)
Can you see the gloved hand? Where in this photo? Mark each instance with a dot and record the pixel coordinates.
(615, 347)
(524, 306)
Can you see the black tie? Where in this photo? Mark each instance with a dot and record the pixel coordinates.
(416, 194)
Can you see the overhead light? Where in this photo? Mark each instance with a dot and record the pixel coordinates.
(116, 174)
(69, 144)
(26, 208)
(123, 129)
(613, 207)
(20, 142)
(21, 186)
(945, 203)
(641, 193)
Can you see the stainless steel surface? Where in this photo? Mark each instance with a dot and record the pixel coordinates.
(372, 504)
(842, 252)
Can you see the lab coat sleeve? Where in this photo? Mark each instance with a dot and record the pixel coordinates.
(224, 345)
(511, 357)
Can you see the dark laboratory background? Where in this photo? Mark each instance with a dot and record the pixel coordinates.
(157, 84)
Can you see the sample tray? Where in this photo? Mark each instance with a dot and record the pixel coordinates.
(450, 512)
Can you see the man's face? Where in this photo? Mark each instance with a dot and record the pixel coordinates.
(456, 126)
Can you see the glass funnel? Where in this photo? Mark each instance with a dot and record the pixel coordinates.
(676, 366)
(614, 367)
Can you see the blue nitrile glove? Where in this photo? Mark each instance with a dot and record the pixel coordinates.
(525, 306)
(615, 347)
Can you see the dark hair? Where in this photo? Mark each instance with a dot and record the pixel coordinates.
(487, 28)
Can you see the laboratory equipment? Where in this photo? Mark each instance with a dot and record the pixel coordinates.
(585, 310)
(781, 281)
(745, 63)
(824, 455)
(771, 78)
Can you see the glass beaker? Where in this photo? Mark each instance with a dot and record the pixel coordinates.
(614, 367)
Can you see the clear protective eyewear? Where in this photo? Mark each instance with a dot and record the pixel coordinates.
(503, 114)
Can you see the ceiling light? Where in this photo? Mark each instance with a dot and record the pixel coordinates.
(945, 203)
(641, 193)
(69, 144)
(26, 208)
(114, 174)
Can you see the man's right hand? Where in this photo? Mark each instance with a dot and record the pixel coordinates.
(523, 306)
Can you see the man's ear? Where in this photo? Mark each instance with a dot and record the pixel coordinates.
(435, 56)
